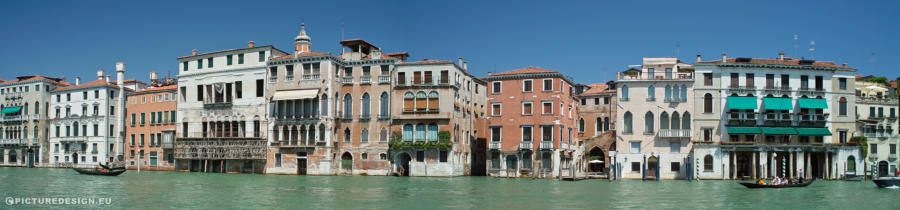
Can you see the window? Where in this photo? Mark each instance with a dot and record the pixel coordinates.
(627, 125)
(401, 78)
(365, 105)
(624, 93)
(385, 104)
(527, 85)
(442, 156)
(547, 133)
(278, 159)
(707, 79)
(527, 133)
(675, 147)
(893, 149)
(648, 123)
(675, 166)
(873, 149)
(548, 84)
(228, 59)
(209, 62)
(708, 163)
(547, 107)
(348, 106)
(842, 83)
(132, 139)
(409, 101)
(651, 93)
(495, 109)
(262, 56)
(707, 103)
(238, 89)
(581, 125)
(199, 93)
(495, 88)
(259, 88)
(199, 63)
(184, 66)
(842, 106)
(606, 100)
(364, 136)
(635, 166)
(96, 93)
(142, 140)
(433, 100)
(241, 58)
(143, 118)
(421, 100)
(526, 108)
(420, 156)
(288, 73)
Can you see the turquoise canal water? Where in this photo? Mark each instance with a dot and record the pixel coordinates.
(155, 190)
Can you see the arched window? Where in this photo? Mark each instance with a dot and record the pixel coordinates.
(676, 120)
(25, 110)
(322, 133)
(675, 91)
(409, 101)
(75, 129)
(365, 104)
(684, 92)
(668, 92)
(364, 135)
(625, 92)
(348, 106)
(651, 93)
(25, 132)
(648, 122)
(581, 125)
(420, 132)
(324, 104)
(707, 103)
(433, 101)
(606, 123)
(708, 163)
(664, 121)
(627, 125)
(385, 104)
(35, 130)
(383, 136)
(421, 98)
(598, 124)
(347, 135)
(433, 132)
(686, 121)
(408, 132)
(843, 106)
(311, 135)
(37, 107)
(851, 164)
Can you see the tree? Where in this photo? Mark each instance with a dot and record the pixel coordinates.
(882, 80)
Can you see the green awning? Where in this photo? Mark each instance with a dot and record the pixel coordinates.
(743, 130)
(812, 103)
(742, 102)
(814, 131)
(779, 131)
(9, 110)
(771, 103)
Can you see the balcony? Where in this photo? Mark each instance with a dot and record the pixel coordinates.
(525, 145)
(547, 145)
(564, 145)
(777, 90)
(294, 143)
(13, 118)
(674, 133)
(687, 76)
(273, 79)
(494, 145)
(347, 80)
(742, 89)
(420, 111)
(384, 79)
(675, 100)
(384, 116)
(289, 77)
(307, 77)
(365, 80)
(749, 120)
(365, 117)
(813, 120)
(11, 142)
(13, 95)
(811, 91)
(772, 120)
(72, 139)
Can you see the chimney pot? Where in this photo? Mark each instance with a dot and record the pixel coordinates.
(724, 57)
(698, 58)
(77, 80)
(152, 76)
(460, 61)
(465, 66)
(251, 44)
(100, 74)
(781, 55)
(107, 78)
(194, 52)
(844, 65)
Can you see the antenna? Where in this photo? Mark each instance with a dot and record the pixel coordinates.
(812, 50)
(795, 46)
(342, 35)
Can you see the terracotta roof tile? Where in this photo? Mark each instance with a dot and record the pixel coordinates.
(306, 54)
(596, 88)
(427, 61)
(167, 87)
(793, 62)
(526, 70)
(33, 77)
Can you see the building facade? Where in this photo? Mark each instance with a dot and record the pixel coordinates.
(655, 113)
(150, 126)
(876, 119)
(532, 115)
(221, 113)
(782, 117)
(597, 105)
(86, 121)
(24, 124)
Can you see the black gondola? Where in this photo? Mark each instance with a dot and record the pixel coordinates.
(755, 185)
(104, 172)
(108, 168)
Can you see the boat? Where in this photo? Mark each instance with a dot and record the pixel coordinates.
(101, 172)
(755, 185)
(887, 181)
(108, 168)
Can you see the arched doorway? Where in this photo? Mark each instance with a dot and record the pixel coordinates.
(12, 157)
(512, 163)
(596, 160)
(851, 164)
(347, 161)
(75, 158)
(652, 171)
(30, 157)
(403, 164)
(883, 169)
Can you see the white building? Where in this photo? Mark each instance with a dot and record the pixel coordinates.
(877, 121)
(86, 121)
(222, 110)
(654, 113)
(23, 127)
(762, 118)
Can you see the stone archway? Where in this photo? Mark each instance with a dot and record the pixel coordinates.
(13, 157)
(652, 170)
(596, 160)
(403, 164)
(75, 158)
(347, 162)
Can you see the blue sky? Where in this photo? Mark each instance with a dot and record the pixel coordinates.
(587, 40)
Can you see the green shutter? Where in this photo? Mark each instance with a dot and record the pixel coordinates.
(742, 102)
(770, 103)
(812, 103)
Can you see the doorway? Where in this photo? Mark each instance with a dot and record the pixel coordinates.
(301, 163)
(652, 171)
(479, 157)
(403, 164)
(883, 169)
(347, 162)
(75, 158)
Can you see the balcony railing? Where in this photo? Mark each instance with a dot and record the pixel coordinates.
(347, 80)
(813, 119)
(315, 76)
(674, 133)
(564, 145)
(12, 141)
(776, 90)
(13, 95)
(525, 145)
(810, 91)
(741, 89)
(494, 145)
(72, 138)
(420, 111)
(546, 144)
(365, 117)
(656, 76)
(384, 79)
(384, 116)
(675, 100)
(13, 118)
(295, 143)
(365, 80)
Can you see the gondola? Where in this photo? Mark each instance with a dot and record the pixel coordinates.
(883, 182)
(755, 185)
(105, 172)
(108, 168)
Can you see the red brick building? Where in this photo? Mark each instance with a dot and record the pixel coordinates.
(150, 128)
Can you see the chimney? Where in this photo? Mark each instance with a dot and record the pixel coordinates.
(844, 65)
(698, 58)
(107, 78)
(100, 74)
(465, 66)
(460, 61)
(724, 58)
(250, 44)
(120, 73)
(194, 52)
(152, 76)
(781, 55)
(77, 80)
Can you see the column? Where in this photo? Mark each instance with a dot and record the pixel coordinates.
(754, 166)
(733, 165)
(792, 160)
